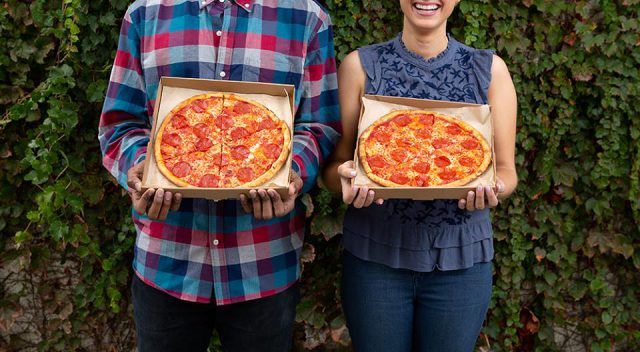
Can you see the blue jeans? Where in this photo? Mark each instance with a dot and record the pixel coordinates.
(167, 324)
(402, 310)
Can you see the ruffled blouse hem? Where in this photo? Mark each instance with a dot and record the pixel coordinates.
(427, 260)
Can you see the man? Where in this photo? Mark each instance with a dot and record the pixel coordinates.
(229, 265)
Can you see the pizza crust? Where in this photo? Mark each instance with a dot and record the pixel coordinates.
(362, 150)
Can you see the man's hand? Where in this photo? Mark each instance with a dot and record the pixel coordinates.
(155, 203)
(265, 204)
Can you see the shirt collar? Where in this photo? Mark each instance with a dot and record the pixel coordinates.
(245, 4)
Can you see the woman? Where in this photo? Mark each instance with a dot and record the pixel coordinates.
(417, 274)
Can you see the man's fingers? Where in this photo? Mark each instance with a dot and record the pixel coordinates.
(166, 205)
(470, 201)
(244, 202)
(462, 203)
(278, 205)
(156, 204)
(134, 176)
(141, 202)
(492, 198)
(256, 204)
(267, 207)
(177, 200)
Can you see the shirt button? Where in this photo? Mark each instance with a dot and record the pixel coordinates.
(204, 3)
(222, 74)
(215, 242)
(221, 0)
(246, 5)
(219, 33)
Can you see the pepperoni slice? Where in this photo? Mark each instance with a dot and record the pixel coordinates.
(402, 120)
(447, 175)
(426, 120)
(399, 178)
(209, 180)
(422, 181)
(470, 144)
(181, 169)
(224, 121)
(399, 155)
(403, 142)
(179, 122)
(442, 161)
(272, 150)
(240, 132)
(224, 160)
(454, 129)
(440, 143)
(421, 167)
(377, 161)
(424, 133)
(466, 161)
(199, 106)
(239, 152)
(172, 139)
(381, 135)
(202, 130)
(204, 144)
(242, 107)
(245, 174)
(266, 124)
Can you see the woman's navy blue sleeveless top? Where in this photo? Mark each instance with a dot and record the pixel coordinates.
(423, 235)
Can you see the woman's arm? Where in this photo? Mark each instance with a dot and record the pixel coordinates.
(339, 169)
(504, 109)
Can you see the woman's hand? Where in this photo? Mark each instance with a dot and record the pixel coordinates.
(358, 196)
(483, 197)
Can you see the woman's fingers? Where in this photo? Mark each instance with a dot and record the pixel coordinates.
(479, 197)
(492, 198)
(471, 201)
(361, 197)
(370, 195)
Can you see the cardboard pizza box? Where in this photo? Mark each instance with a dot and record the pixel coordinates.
(478, 116)
(279, 98)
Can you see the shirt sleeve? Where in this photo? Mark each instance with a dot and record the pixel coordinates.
(124, 126)
(317, 122)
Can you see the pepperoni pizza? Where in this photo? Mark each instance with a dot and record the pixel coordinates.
(218, 140)
(416, 148)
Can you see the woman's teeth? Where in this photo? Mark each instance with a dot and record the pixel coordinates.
(426, 7)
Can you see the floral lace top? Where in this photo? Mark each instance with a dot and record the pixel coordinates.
(423, 235)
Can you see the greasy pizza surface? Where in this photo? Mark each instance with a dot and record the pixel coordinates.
(416, 148)
(220, 140)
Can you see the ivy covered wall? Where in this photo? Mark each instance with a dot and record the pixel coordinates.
(567, 262)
